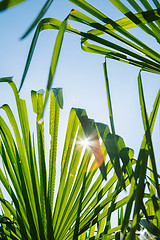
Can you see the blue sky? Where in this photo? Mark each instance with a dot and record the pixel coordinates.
(80, 74)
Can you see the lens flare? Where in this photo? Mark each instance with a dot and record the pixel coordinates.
(84, 143)
(92, 143)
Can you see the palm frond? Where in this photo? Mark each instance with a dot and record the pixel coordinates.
(82, 201)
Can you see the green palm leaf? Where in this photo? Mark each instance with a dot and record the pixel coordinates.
(137, 189)
(146, 58)
(81, 196)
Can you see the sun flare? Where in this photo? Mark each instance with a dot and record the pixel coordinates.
(85, 142)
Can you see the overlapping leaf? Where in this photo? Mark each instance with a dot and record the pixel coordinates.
(146, 58)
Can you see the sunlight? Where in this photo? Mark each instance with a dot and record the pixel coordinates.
(85, 142)
(92, 144)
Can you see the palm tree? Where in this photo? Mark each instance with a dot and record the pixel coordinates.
(94, 220)
(85, 201)
(84, 197)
